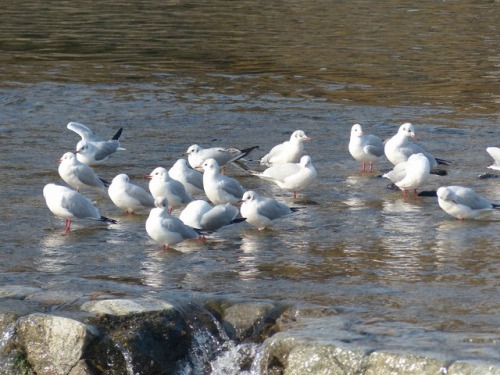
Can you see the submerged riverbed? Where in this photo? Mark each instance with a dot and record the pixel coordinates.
(233, 74)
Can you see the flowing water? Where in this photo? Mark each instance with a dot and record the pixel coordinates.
(222, 73)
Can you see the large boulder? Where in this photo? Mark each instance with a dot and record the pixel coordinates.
(145, 337)
(52, 344)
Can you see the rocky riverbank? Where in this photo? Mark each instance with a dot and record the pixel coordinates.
(146, 336)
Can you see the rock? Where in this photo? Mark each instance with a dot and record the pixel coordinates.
(396, 363)
(140, 336)
(471, 367)
(52, 344)
(244, 320)
(286, 353)
(123, 307)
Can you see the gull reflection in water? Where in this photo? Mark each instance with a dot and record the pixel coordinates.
(253, 243)
(405, 232)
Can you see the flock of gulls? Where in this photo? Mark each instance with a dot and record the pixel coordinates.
(202, 173)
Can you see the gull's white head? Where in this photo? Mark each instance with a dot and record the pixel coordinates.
(161, 202)
(356, 130)
(121, 178)
(299, 136)
(159, 173)
(407, 130)
(249, 196)
(193, 149)
(68, 157)
(305, 161)
(445, 194)
(210, 165)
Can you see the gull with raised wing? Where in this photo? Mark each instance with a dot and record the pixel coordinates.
(291, 176)
(197, 155)
(495, 154)
(287, 152)
(365, 148)
(199, 214)
(91, 149)
(78, 174)
(463, 203)
(71, 205)
(162, 185)
(399, 148)
(261, 211)
(410, 174)
(189, 177)
(218, 188)
(129, 197)
(165, 229)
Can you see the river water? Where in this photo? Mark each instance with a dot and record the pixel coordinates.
(225, 73)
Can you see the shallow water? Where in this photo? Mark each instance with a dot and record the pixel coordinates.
(237, 74)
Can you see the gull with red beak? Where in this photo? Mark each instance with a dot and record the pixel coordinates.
(287, 152)
(79, 175)
(162, 185)
(399, 148)
(365, 148)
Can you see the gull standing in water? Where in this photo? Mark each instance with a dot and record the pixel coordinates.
(495, 154)
(162, 185)
(218, 188)
(189, 177)
(365, 148)
(399, 148)
(201, 215)
(287, 152)
(129, 197)
(71, 205)
(411, 174)
(291, 176)
(463, 203)
(260, 211)
(197, 155)
(92, 150)
(165, 229)
(78, 174)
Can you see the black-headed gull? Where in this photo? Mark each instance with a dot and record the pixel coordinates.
(92, 150)
(410, 174)
(365, 148)
(129, 197)
(70, 205)
(261, 211)
(162, 185)
(495, 154)
(197, 155)
(199, 214)
(399, 148)
(287, 152)
(218, 188)
(189, 177)
(165, 229)
(291, 176)
(78, 174)
(463, 203)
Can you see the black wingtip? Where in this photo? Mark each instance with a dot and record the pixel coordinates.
(428, 193)
(248, 150)
(439, 172)
(443, 162)
(106, 183)
(496, 206)
(108, 220)
(117, 135)
(237, 220)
